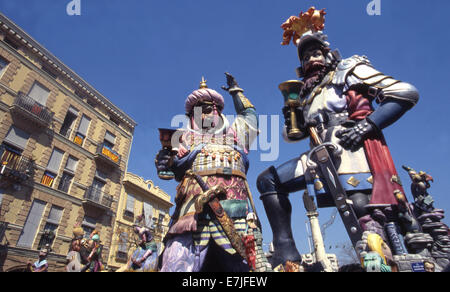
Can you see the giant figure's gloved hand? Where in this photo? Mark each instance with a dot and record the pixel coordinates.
(163, 160)
(301, 125)
(231, 83)
(352, 138)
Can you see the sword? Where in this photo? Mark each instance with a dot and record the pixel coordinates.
(211, 197)
(337, 191)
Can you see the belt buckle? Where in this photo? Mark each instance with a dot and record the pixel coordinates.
(227, 171)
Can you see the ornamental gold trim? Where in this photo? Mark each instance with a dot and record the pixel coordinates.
(353, 181)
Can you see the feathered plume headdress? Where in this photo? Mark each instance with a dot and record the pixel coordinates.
(306, 23)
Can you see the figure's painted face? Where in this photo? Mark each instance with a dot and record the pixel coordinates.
(429, 267)
(207, 117)
(312, 57)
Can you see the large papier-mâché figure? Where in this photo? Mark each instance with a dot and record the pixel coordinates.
(211, 153)
(336, 106)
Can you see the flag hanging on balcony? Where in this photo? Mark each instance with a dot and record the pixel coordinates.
(79, 139)
(48, 179)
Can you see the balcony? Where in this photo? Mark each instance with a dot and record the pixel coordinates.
(97, 198)
(106, 155)
(31, 110)
(15, 167)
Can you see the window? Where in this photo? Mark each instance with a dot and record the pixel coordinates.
(122, 250)
(3, 65)
(65, 182)
(148, 214)
(109, 140)
(71, 164)
(96, 193)
(68, 174)
(129, 209)
(52, 167)
(98, 184)
(82, 130)
(52, 224)
(39, 93)
(160, 223)
(123, 241)
(66, 128)
(32, 223)
(13, 146)
(17, 138)
(88, 225)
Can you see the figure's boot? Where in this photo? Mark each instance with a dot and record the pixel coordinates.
(278, 209)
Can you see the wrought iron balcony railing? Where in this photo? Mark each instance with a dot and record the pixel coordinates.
(15, 166)
(108, 155)
(98, 198)
(27, 106)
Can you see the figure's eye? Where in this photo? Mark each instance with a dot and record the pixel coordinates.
(207, 109)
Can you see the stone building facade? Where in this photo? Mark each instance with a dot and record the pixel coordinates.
(139, 197)
(64, 149)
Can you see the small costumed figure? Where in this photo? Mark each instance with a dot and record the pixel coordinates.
(212, 201)
(74, 258)
(146, 257)
(41, 265)
(95, 255)
(350, 165)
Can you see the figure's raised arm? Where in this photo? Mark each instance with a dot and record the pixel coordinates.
(246, 123)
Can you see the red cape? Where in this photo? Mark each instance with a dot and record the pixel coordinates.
(377, 153)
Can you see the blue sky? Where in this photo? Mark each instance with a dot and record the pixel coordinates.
(147, 56)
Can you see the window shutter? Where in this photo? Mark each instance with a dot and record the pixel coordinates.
(148, 214)
(55, 215)
(55, 160)
(123, 242)
(32, 223)
(84, 125)
(110, 138)
(39, 93)
(130, 203)
(17, 138)
(71, 164)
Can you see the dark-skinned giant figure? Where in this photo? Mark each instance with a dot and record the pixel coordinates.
(336, 99)
(207, 232)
